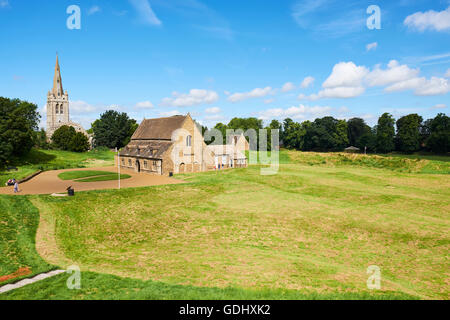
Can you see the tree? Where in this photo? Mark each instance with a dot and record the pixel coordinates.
(79, 143)
(245, 124)
(40, 139)
(408, 134)
(439, 138)
(18, 121)
(223, 130)
(66, 138)
(62, 137)
(341, 134)
(356, 128)
(368, 139)
(385, 133)
(113, 129)
(323, 135)
(292, 134)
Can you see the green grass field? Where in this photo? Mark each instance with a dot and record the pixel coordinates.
(91, 176)
(54, 160)
(19, 220)
(309, 232)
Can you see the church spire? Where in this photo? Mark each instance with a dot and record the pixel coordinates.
(57, 81)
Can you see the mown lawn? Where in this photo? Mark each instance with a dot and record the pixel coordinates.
(19, 220)
(312, 229)
(54, 160)
(91, 176)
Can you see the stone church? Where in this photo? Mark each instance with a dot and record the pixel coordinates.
(58, 106)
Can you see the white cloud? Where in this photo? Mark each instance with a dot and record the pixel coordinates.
(294, 112)
(447, 74)
(433, 86)
(268, 101)
(82, 107)
(213, 110)
(348, 80)
(345, 81)
(339, 92)
(4, 3)
(307, 82)
(371, 46)
(422, 86)
(169, 113)
(214, 117)
(145, 11)
(346, 74)
(255, 93)
(394, 73)
(93, 10)
(439, 106)
(343, 110)
(144, 105)
(433, 20)
(288, 86)
(194, 97)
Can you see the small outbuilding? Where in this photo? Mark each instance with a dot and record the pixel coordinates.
(352, 149)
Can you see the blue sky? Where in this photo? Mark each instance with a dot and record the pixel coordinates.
(220, 59)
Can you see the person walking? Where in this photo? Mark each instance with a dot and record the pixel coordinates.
(16, 187)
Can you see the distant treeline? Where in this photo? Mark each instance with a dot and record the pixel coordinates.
(408, 134)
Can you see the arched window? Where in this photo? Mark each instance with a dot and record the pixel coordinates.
(61, 109)
(188, 141)
(57, 109)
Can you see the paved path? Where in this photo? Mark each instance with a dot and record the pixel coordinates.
(48, 182)
(24, 282)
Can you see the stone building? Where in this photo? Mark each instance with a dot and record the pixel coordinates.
(167, 145)
(231, 155)
(176, 145)
(58, 106)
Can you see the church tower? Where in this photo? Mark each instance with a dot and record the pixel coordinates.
(57, 103)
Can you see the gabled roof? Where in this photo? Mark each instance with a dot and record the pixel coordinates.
(158, 129)
(146, 149)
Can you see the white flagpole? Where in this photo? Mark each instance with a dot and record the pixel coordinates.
(118, 165)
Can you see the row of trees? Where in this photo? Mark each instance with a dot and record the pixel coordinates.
(112, 130)
(408, 134)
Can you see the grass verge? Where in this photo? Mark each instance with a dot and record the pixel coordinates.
(19, 220)
(95, 286)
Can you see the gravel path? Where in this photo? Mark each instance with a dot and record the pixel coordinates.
(48, 182)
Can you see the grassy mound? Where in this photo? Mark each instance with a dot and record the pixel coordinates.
(18, 223)
(396, 162)
(308, 228)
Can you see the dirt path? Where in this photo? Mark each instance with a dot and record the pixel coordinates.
(48, 182)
